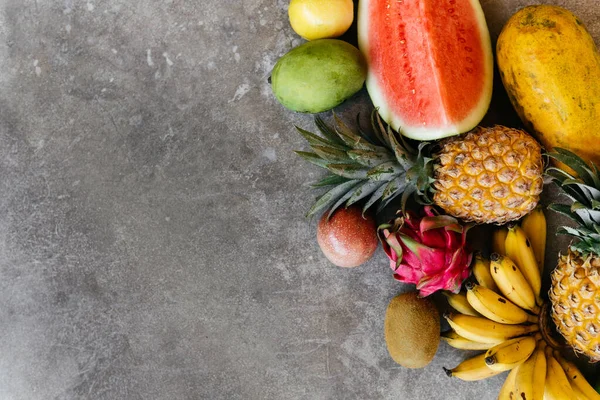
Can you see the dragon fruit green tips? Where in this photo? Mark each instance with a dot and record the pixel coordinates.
(430, 251)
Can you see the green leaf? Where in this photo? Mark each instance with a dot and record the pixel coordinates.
(378, 127)
(342, 200)
(352, 139)
(385, 171)
(589, 217)
(363, 191)
(392, 190)
(575, 163)
(369, 158)
(595, 174)
(569, 231)
(328, 132)
(589, 191)
(574, 192)
(401, 153)
(585, 217)
(371, 138)
(351, 171)
(405, 143)
(331, 154)
(329, 180)
(564, 210)
(330, 197)
(314, 140)
(595, 204)
(394, 187)
(313, 158)
(558, 174)
(374, 197)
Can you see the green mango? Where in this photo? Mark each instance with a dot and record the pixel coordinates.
(318, 75)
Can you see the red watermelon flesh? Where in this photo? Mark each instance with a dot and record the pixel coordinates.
(430, 64)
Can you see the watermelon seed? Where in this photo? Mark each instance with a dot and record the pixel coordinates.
(462, 40)
(450, 10)
(468, 49)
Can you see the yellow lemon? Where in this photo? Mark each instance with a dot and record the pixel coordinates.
(319, 19)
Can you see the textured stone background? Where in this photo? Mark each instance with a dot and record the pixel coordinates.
(153, 243)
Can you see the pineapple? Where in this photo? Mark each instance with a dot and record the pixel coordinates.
(489, 175)
(575, 291)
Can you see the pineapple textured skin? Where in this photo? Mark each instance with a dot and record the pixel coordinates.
(489, 175)
(575, 291)
(575, 298)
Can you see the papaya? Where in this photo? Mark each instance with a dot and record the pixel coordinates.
(550, 67)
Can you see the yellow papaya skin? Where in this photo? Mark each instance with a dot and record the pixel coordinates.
(550, 68)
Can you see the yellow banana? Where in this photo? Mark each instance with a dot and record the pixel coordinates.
(513, 352)
(482, 330)
(557, 384)
(534, 225)
(459, 342)
(519, 249)
(579, 395)
(577, 380)
(498, 240)
(495, 307)
(512, 283)
(530, 382)
(473, 369)
(459, 302)
(508, 389)
(481, 272)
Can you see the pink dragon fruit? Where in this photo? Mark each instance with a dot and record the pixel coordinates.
(430, 252)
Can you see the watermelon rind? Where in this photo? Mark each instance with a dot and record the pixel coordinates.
(426, 131)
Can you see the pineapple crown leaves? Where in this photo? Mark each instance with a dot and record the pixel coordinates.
(581, 185)
(376, 167)
(421, 174)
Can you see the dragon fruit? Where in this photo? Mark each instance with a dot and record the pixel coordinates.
(430, 252)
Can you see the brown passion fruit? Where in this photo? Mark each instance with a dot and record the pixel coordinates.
(347, 238)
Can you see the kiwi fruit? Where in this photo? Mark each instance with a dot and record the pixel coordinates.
(412, 330)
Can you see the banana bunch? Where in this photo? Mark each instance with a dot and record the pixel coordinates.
(502, 313)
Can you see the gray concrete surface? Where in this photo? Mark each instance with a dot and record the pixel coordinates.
(153, 243)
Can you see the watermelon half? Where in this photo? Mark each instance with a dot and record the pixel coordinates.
(430, 64)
